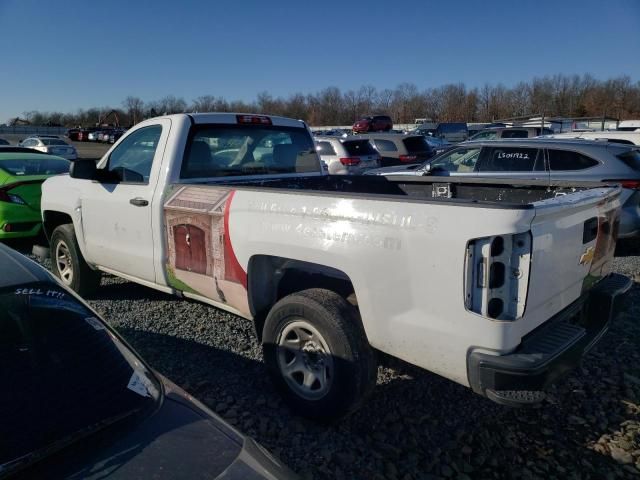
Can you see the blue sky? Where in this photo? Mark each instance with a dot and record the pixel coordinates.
(80, 54)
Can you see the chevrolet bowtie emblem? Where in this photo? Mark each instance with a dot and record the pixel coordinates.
(587, 256)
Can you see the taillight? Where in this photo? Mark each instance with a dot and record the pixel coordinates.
(497, 275)
(254, 119)
(5, 196)
(633, 184)
(350, 161)
(408, 158)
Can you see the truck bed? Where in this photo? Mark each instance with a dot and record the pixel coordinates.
(506, 194)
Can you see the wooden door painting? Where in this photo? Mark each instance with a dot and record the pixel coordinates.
(190, 248)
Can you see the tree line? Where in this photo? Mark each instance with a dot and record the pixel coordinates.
(557, 95)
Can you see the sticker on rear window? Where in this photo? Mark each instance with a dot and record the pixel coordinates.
(141, 385)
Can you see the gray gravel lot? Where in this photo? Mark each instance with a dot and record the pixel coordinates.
(416, 425)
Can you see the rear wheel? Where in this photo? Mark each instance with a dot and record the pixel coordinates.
(317, 354)
(69, 265)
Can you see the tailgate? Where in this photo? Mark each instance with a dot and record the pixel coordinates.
(574, 238)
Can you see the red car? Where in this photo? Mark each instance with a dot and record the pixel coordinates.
(376, 123)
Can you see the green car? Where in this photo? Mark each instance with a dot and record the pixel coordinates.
(21, 177)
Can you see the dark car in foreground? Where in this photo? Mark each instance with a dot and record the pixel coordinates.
(78, 402)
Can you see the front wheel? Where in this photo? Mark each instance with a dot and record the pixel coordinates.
(318, 355)
(69, 265)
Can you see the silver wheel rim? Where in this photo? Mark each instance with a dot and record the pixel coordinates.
(64, 263)
(305, 360)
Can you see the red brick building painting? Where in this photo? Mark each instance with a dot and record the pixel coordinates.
(197, 257)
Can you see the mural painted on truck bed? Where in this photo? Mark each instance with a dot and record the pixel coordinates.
(200, 255)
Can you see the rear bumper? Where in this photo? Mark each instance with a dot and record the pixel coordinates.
(550, 351)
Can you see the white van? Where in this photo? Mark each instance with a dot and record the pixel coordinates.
(629, 126)
(616, 136)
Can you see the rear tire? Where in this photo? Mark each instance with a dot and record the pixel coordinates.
(318, 355)
(68, 264)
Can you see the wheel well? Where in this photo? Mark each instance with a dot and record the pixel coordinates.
(272, 278)
(51, 220)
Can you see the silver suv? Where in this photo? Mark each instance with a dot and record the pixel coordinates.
(510, 132)
(543, 160)
(347, 155)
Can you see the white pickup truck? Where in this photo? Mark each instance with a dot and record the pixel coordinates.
(501, 288)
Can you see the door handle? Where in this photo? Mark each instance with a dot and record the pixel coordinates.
(139, 202)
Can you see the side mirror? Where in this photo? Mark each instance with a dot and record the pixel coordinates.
(427, 169)
(83, 169)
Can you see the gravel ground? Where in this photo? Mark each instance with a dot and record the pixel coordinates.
(416, 425)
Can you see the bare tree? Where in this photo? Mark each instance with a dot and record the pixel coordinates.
(134, 107)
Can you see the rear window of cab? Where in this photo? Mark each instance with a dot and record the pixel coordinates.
(240, 150)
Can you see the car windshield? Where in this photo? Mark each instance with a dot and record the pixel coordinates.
(53, 141)
(65, 374)
(35, 165)
(233, 150)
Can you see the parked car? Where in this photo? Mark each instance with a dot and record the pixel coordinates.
(478, 284)
(426, 128)
(375, 123)
(22, 172)
(54, 146)
(452, 132)
(629, 126)
(115, 134)
(92, 135)
(544, 160)
(84, 404)
(510, 132)
(73, 134)
(4, 142)
(395, 149)
(438, 145)
(84, 134)
(347, 156)
(615, 136)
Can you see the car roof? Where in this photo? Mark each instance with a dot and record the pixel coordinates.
(231, 118)
(541, 142)
(19, 270)
(338, 138)
(391, 135)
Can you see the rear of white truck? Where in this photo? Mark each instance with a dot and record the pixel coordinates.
(548, 321)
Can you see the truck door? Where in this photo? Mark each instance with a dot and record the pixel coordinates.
(117, 212)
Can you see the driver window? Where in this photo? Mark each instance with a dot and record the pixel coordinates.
(462, 160)
(131, 161)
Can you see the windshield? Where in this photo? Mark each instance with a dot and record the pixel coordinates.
(35, 165)
(233, 150)
(64, 374)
